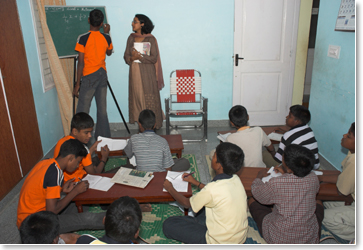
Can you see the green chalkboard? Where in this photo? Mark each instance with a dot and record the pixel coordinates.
(66, 23)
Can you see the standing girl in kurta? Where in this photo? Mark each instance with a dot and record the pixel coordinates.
(146, 77)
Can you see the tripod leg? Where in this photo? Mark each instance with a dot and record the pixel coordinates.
(119, 110)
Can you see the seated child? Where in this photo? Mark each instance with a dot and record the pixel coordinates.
(250, 140)
(296, 215)
(81, 129)
(221, 205)
(339, 218)
(42, 189)
(300, 133)
(152, 151)
(122, 223)
(43, 228)
(40, 228)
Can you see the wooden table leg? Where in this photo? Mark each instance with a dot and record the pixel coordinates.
(79, 207)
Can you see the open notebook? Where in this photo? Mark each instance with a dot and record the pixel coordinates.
(176, 179)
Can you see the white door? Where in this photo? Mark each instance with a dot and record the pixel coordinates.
(265, 37)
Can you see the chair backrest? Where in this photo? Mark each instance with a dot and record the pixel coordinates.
(185, 85)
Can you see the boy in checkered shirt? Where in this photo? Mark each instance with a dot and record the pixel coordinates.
(285, 208)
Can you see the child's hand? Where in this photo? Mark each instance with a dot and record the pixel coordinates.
(279, 169)
(93, 148)
(69, 185)
(76, 90)
(262, 173)
(81, 186)
(105, 151)
(188, 177)
(106, 28)
(167, 185)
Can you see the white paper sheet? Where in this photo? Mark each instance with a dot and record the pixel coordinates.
(113, 144)
(272, 175)
(176, 179)
(223, 137)
(275, 136)
(98, 182)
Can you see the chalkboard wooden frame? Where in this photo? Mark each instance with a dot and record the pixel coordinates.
(66, 23)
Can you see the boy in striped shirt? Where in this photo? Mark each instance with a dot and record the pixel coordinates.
(300, 133)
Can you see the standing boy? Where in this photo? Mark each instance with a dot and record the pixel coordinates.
(338, 217)
(221, 205)
(152, 151)
(300, 134)
(296, 215)
(92, 48)
(42, 189)
(81, 129)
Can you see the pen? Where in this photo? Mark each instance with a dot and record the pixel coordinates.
(189, 174)
(79, 179)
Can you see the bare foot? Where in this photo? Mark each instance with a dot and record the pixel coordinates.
(145, 207)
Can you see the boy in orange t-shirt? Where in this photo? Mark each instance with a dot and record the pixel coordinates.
(42, 189)
(92, 48)
(81, 129)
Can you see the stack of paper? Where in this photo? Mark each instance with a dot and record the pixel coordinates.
(176, 179)
(113, 144)
(98, 182)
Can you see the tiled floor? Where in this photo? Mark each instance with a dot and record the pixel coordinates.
(9, 233)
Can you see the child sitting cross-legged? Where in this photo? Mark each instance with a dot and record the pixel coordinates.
(338, 217)
(43, 228)
(152, 151)
(221, 205)
(285, 208)
(250, 139)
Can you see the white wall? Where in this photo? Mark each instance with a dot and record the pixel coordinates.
(190, 34)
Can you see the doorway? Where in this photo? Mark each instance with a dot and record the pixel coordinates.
(265, 47)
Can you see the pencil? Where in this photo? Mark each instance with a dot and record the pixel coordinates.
(189, 174)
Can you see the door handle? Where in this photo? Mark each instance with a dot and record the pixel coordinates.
(237, 58)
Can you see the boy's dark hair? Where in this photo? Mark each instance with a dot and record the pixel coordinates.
(123, 219)
(352, 128)
(96, 17)
(39, 228)
(301, 113)
(72, 147)
(230, 156)
(299, 159)
(148, 24)
(238, 115)
(147, 119)
(82, 120)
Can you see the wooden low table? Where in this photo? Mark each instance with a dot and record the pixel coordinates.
(267, 129)
(153, 192)
(175, 144)
(327, 191)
